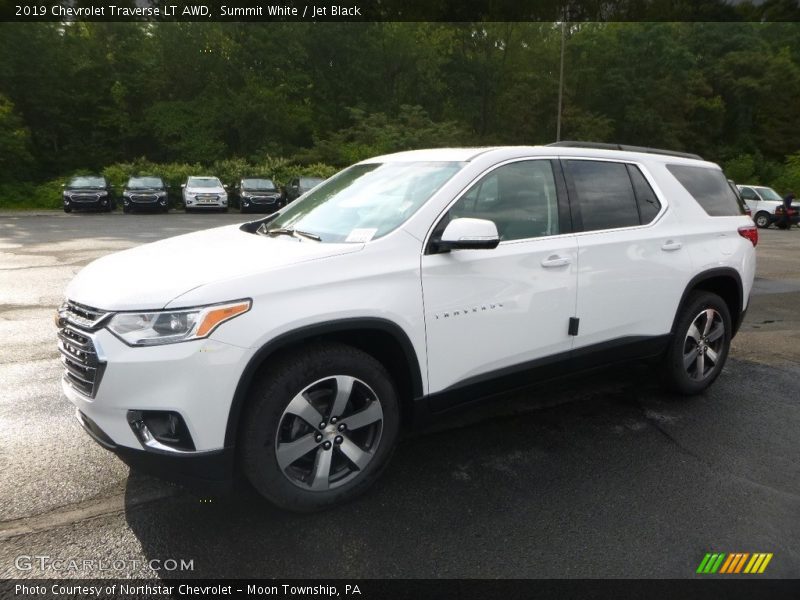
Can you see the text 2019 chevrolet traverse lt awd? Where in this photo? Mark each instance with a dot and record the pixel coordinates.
(296, 346)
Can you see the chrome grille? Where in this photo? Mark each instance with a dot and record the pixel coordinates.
(85, 197)
(83, 368)
(82, 316)
(144, 197)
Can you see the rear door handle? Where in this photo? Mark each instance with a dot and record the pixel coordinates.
(556, 261)
(671, 246)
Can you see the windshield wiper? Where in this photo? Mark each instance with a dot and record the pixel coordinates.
(290, 231)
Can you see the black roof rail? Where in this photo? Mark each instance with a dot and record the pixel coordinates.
(605, 146)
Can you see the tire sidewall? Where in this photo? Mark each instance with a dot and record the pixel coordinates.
(269, 399)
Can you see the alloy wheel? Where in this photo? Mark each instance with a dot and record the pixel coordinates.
(703, 345)
(329, 433)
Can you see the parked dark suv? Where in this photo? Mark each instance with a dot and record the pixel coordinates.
(149, 193)
(258, 194)
(88, 192)
(299, 186)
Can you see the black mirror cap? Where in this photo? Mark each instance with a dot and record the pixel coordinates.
(467, 244)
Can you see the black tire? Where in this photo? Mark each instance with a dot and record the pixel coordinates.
(244, 210)
(126, 209)
(761, 219)
(67, 209)
(267, 417)
(688, 352)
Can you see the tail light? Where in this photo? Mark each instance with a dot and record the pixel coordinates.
(749, 232)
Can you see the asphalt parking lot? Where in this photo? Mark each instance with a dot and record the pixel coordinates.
(606, 476)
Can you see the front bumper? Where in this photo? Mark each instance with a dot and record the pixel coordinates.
(93, 201)
(209, 471)
(195, 379)
(197, 202)
(150, 201)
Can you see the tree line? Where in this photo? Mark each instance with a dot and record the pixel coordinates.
(85, 95)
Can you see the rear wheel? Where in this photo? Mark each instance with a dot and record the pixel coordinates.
(762, 219)
(320, 427)
(699, 346)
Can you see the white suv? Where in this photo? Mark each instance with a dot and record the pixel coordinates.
(204, 193)
(297, 346)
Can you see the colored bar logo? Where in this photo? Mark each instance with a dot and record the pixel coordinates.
(734, 563)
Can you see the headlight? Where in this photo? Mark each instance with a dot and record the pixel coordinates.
(170, 326)
(104, 193)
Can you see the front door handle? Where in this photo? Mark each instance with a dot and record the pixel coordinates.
(671, 246)
(555, 260)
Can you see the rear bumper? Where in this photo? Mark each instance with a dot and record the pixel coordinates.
(203, 471)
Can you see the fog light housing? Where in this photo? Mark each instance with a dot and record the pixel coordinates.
(162, 430)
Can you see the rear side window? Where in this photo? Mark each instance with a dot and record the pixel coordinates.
(710, 188)
(604, 193)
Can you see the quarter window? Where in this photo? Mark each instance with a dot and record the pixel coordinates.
(604, 193)
(710, 188)
(520, 198)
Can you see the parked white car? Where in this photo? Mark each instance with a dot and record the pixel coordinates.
(204, 192)
(299, 345)
(763, 203)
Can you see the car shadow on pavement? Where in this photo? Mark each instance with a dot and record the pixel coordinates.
(565, 480)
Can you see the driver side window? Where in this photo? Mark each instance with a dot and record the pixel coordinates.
(748, 194)
(520, 198)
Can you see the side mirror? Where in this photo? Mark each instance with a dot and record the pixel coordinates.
(470, 234)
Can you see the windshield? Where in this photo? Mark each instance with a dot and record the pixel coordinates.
(203, 182)
(87, 182)
(769, 194)
(365, 201)
(309, 182)
(145, 182)
(258, 184)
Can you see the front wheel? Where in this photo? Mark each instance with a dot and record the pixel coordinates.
(699, 346)
(320, 427)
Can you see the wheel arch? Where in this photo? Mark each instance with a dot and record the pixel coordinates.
(381, 338)
(723, 281)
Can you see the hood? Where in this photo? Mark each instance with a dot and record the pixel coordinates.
(150, 276)
(206, 190)
(88, 190)
(260, 192)
(149, 190)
